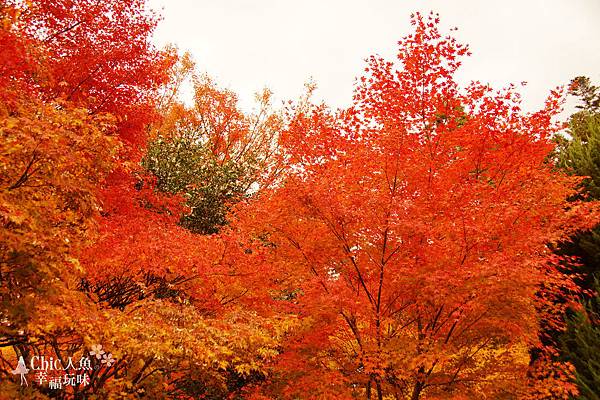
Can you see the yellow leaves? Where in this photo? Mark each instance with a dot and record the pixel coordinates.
(266, 352)
(51, 156)
(10, 123)
(10, 16)
(16, 217)
(245, 369)
(75, 263)
(51, 159)
(177, 338)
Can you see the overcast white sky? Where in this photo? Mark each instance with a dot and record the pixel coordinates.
(249, 44)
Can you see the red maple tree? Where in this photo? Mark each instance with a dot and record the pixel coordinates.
(411, 231)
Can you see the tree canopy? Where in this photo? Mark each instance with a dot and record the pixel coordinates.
(400, 248)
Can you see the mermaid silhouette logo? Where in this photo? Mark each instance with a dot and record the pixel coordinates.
(21, 370)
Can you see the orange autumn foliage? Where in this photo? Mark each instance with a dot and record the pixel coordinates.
(412, 230)
(389, 250)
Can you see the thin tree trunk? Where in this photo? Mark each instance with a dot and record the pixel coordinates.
(417, 391)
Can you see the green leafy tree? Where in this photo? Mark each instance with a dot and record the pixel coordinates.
(579, 155)
(581, 345)
(213, 153)
(184, 164)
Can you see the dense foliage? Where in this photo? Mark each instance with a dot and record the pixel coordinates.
(392, 250)
(579, 154)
